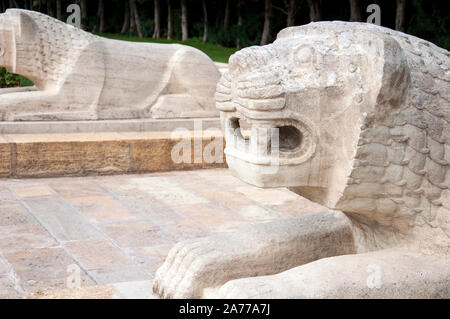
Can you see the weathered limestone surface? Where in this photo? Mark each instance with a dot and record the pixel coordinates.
(75, 154)
(80, 76)
(5, 158)
(363, 114)
(130, 125)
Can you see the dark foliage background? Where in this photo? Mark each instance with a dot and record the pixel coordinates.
(428, 19)
(239, 23)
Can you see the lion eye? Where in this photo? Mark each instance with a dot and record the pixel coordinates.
(304, 55)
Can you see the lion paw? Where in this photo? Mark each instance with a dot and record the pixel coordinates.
(189, 268)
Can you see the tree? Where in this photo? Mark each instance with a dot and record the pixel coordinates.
(135, 17)
(84, 14)
(226, 18)
(315, 10)
(355, 10)
(292, 7)
(126, 17)
(49, 8)
(101, 15)
(205, 21)
(132, 21)
(169, 20)
(265, 38)
(58, 10)
(157, 14)
(239, 23)
(13, 4)
(400, 15)
(184, 21)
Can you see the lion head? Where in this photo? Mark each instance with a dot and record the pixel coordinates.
(304, 99)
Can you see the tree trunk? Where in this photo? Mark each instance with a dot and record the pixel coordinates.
(169, 20)
(157, 15)
(226, 19)
(126, 17)
(135, 15)
(49, 8)
(205, 22)
(315, 10)
(265, 38)
(101, 16)
(355, 10)
(84, 14)
(239, 13)
(239, 23)
(400, 16)
(291, 11)
(58, 10)
(184, 21)
(132, 21)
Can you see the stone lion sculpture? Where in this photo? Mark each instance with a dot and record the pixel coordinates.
(80, 76)
(363, 123)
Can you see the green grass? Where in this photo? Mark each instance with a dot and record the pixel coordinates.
(25, 82)
(215, 52)
(12, 80)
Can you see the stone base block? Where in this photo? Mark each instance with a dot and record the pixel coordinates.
(78, 154)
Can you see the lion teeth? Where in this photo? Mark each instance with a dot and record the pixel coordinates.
(260, 140)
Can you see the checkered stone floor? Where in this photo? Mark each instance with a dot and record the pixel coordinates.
(117, 230)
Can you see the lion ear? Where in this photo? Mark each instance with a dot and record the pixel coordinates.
(395, 77)
(28, 27)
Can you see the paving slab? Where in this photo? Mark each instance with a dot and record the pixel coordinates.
(97, 254)
(116, 231)
(119, 274)
(44, 268)
(137, 234)
(9, 288)
(60, 219)
(13, 213)
(14, 237)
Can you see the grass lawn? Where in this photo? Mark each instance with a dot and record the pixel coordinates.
(215, 52)
(25, 81)
(12, 80)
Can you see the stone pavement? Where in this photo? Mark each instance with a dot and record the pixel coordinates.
(115, 231)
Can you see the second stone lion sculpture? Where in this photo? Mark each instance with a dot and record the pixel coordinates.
(80, 76)
(363, 120)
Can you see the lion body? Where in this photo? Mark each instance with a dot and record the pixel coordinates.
(88, 77)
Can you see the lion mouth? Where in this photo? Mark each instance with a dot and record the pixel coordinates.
(264, 142)
(258, 128)
(288, 137)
